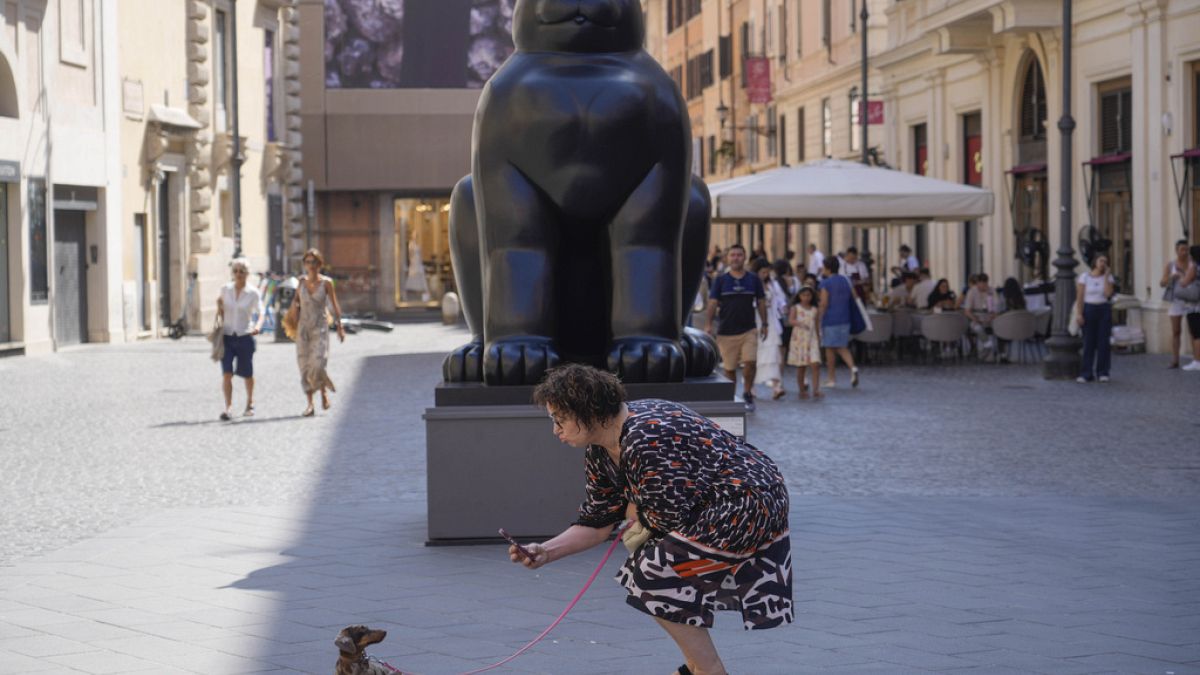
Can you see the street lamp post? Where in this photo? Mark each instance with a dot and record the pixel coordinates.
(1063, 359)
(863, 98)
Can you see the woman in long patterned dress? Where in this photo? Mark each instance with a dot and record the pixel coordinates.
(316, 295)
(715, 507)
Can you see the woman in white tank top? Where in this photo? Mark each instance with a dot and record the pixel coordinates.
(1183, 270)
(1094, 314)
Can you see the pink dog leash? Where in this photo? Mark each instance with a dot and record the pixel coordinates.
(571, 605)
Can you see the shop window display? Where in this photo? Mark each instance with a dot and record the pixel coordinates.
(423, 270)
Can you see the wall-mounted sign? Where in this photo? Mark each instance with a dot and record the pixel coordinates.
(10, 172)
(758, 79)
(875, 112)
(133, 99)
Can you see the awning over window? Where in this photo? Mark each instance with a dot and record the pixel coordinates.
(1109, 159)
(172, 117)
(1027, 168)
(1182, 170)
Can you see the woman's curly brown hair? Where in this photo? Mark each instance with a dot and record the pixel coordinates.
(589, 396)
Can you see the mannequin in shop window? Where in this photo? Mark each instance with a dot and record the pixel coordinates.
(415, 282)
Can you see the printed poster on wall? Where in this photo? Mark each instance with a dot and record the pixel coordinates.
(415, 44)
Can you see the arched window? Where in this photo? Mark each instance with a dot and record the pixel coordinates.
(8, 90)
(1033, 103)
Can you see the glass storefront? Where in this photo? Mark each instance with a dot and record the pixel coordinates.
(423, 269)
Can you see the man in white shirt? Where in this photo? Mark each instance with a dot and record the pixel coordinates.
(919, 298)
(856, 271)
(908, 261)
(816, 260)
(237, 307)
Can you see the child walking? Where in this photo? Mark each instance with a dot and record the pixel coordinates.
(804, 350)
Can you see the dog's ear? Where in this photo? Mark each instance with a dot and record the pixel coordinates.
(345, 645)
(372, 636)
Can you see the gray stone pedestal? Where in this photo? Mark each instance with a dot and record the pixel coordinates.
(492, 459)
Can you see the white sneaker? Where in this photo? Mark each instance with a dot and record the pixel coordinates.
(1082, 380)
(1103, 378)
(1194, 365)
(830, 384)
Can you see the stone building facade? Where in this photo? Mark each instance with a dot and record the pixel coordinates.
(971, 92)
(59, 214)
(177, 94)
(115, 162)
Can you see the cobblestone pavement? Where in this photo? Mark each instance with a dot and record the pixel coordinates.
(955, 518)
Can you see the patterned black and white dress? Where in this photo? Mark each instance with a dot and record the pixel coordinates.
(718, 511)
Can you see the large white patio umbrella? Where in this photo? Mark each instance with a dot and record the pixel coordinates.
(845, 192)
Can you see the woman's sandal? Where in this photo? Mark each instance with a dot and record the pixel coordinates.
(225, 417)
(308, 412)
(248, 412)
(683, 670)
(778, 394)
(325, 404)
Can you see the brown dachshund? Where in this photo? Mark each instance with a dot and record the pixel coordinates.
(352, 642)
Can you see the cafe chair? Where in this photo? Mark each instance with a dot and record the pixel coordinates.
(902, 332)
(878, 336)
(945, 331)
(1019, 328)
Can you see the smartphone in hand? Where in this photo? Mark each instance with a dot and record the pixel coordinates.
(520, 549)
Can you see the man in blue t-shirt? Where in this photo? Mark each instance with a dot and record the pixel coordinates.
(738, 294)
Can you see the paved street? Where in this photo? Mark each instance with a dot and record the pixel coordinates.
(965, 519)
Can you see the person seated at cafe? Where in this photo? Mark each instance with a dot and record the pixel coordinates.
(942, 298)
(1012, 296)
(981, 305)
(901, 290)
(918, 298)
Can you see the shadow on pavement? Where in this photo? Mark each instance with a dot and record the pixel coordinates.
(364, 529)
(235, 421)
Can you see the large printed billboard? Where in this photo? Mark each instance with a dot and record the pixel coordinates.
(406, 44)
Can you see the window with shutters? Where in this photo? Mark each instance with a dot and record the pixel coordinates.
(693, 78)
(677, 75)
(827, 23)
(1033, 103)
(745, 49)
(783, 33)
(772, 132)
(752, 138)
(712, 154)
(782, 142)
(1116, 120)
(768, 38)
(800, 135)
(826, 127)
(800, 28)
(725, 56)
(855, 136)
(706, 69)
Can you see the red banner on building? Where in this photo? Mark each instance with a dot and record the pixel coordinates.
(875, 112)
(758, 79)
